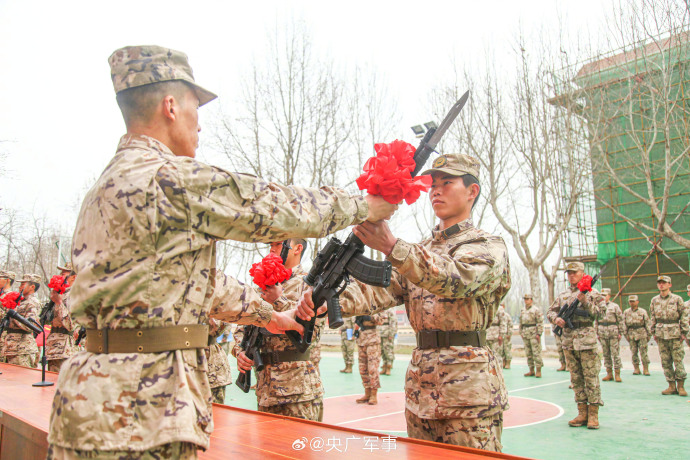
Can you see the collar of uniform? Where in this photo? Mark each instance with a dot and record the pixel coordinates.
(573, 288)
(143, 141)
(453, 230)
(297, 270)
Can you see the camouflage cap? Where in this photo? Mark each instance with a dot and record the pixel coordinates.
(66, 267)
(606, 291)
(30, 278)
(134, 66)
(664, 278)
(575, 266)
(6, 274)
(633, 298)
(455, 164)
(527, 296)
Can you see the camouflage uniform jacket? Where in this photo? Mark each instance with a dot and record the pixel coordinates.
(144, 253)
(582, 338)
(452, 281)
(218, 365)
(509, 323)
(669, 308)
(23, 344)
(390, 324)
(532, 315)
(288, 382)
(637, 317)
(498, 327)
(611, 313)
(58, 344)
(371, 336)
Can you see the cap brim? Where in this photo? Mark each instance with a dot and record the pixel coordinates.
(450, 172)
(205, 96)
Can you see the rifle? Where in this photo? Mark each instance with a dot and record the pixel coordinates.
(47, 312)
(567, 312)
(336, 262)
(36, 328)
(80, 335)
(253, 340)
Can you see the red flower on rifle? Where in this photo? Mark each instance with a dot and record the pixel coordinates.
(58, 284)
(389, 174)
(270, 271)
(11, 300)
(585, 284)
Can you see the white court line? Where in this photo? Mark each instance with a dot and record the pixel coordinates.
(539, 386)
(369, 418)
(560, 413)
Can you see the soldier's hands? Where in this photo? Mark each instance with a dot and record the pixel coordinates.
(305, 307)
(582, 298)
(55, 297)
(560, 322)
(244, 363)
(500, 340)
(376, 235)
(379, 209)
(284, 321)
(272, 293)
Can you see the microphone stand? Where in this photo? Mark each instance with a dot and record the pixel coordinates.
(44, 361)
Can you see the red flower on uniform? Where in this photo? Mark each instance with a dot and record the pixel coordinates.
(585, 284)
(389, 174)
(58, 284)
(270, 271)
(11, 300)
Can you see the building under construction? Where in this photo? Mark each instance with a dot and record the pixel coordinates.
(635, 103)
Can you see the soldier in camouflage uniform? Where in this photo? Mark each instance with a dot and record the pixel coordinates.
(496, 332)
(531, 329)
(670, 327)
(451, 284)
(347, 344)
(580, 347)
(60, 343)
(289, 384)
(20, 344)
(6, 279)
(369, 347)
(610, 328)
(144, 251)
(637, 331)
(387, 332)
(506, 350)
(219, 375)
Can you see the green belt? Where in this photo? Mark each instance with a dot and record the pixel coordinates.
(636, 326)
(17, 331)
(606, 323)
(59, 330)
(579, 324)
(528, 325)
(445, 339)
(287, 356)
(152, 340)
(668, 321)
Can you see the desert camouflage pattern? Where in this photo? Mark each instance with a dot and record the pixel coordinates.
(144, 251)
(582, 338)
(584, 367)
(531, 335)
(506, 350)
(54, 365)
(369, 347)
(669, 308)
(347, 346)
(609, 336)
(172, 451)
(479, 433)
(287, 382)
(218, 365)
(218, 395)
(452, 281)
(17, 344)
(60, 346)
(672, 354)
(559, 349)
(26, 360)
(308, 410)
(387, 333)
(496, 331)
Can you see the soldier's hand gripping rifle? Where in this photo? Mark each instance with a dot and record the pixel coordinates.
(568, 311)
(253, 340)
(336, 262)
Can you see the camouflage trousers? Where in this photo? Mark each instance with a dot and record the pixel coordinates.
(387, 348)
(559, 349)
(672, 354)
(175, 450)
(479, 433)
(612, 352)
(348, 348)
(369, 361)
(315, 356)
(496, 348)
(640, 345)
(584, 367)
(218, 394)
(28, 360)
(533, 352)
(54, 365)
(506, 350)
(307, 410)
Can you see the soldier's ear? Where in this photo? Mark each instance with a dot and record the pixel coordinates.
(298, 249)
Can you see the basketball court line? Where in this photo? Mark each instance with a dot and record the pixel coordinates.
(538, 386)
(560, 413)
(373, 416)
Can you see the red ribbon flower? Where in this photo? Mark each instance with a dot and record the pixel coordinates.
(389, 174)
(270, 271)
(585, 284)
(11, 300)
(58, 284)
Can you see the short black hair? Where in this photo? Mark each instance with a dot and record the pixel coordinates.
(469, 179)
(140, 102)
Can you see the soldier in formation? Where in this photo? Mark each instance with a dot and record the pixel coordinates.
(451, 284)
(610, 329)
(506, 349)
(60, 342)
(669, 324)
(580, 347)
(369, 348)
(496, 332)
(6, 280)
(20, 344)
(637, 331)
(387, 331)
(144, 368)
(347, 344)
(531, 329)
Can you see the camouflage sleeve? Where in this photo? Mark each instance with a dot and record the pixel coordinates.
(226, 205)
(652, 319)
(380, 318)
(647, 322)
(552, 312)
(624, 324)
(235, 302)
(621, 322)
(237, 336)
(61, 317)
(539, 319)
(503, 325)
(362, 299)
(595, 304)
(684, 321)
(474, 269)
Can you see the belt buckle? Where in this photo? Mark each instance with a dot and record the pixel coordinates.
(443, 339)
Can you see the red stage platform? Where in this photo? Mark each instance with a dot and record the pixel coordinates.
(239, 433)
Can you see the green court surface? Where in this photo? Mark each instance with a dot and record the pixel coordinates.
(637, 422)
